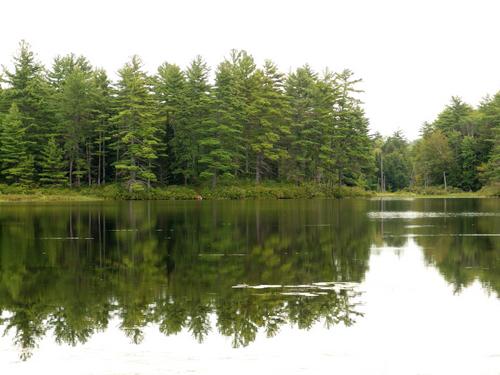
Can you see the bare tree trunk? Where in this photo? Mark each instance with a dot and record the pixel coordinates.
(89, 165)
(99, 161)
(444, 178)
(257, 169)
(382, 184)
(71, 173)
(103, 162)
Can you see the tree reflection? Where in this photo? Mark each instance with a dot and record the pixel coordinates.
(462, 243)
(71, 269)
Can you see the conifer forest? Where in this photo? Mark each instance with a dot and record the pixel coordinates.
(70, 125)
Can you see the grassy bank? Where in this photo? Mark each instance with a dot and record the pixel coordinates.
(230, 192)
(18, 194)
(240, 191)
(439, 192)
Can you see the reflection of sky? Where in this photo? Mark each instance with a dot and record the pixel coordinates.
(413, 324)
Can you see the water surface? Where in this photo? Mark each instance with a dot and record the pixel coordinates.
(317, 286)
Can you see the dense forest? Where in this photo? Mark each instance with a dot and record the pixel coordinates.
(70, 125)
(461, 148)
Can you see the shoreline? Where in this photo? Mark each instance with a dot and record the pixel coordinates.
(255, 192)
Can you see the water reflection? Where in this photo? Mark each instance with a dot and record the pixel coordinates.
(69, 269)
(461, 237)
(228, 268)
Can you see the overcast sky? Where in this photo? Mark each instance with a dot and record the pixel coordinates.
(412, 55)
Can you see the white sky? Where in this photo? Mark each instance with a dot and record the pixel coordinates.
(412, 55)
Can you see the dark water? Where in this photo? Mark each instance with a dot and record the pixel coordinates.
(211, 287)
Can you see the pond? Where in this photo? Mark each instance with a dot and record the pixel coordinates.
(220, 287)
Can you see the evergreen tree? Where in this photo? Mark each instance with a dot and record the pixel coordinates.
(271, 119)
(75, 107)
(303, 145)
(454, 123)
(137, 127)
(102, 111)
(351, 140)
(29, 89)
(52, 164)
(492, 171)
(326, 96)
(243, 103)
(170, 90)
(488, 140)
(16, 164)
(221, 141)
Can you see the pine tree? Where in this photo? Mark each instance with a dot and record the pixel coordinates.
(102, 111)
(488, 141)
(170, 90)
(242, 102)
(325, 100)
(304, 143)
(29, 89)
(454, 123)
(271, 119)
(493, 165)
(73, 82)
(53, 166)
(351, 139)
(137, 127)
(3, 101)
(195, 117)
(16, 164)
(221, 140)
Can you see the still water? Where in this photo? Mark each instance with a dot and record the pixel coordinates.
(297, 287)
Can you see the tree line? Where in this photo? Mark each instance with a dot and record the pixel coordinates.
(70, 125)
(460, 148)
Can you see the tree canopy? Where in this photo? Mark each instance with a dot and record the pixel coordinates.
(70, 125)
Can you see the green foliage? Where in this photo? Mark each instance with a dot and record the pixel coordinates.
(16, 165)
(170, 92)
(459, 145)
(52, 165)
(271, 122)
(29, 89)
(251, 123)
(396, 162)
(73, 81)
(282, 191)
(434, 158)
(137, 127)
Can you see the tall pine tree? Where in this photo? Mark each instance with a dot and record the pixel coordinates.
(137, 132)
(29, 89)
(17, 165)
(271, 121)
(53, 171)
